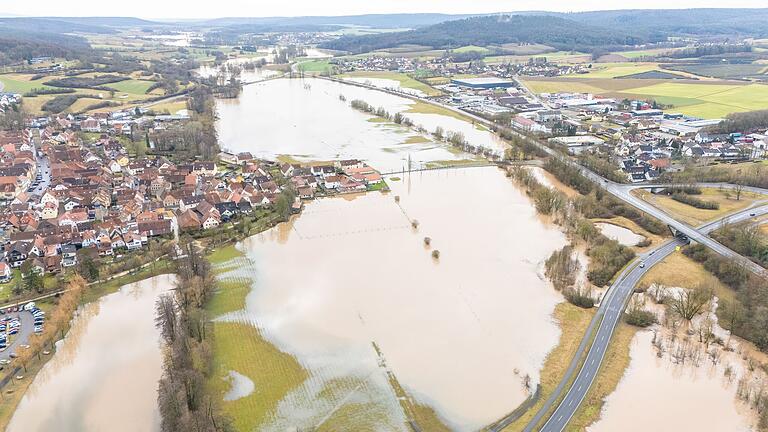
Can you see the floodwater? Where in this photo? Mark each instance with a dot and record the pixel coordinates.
(460, 332)
(241, 386)
(246, 76)
(659, 394)
(307, 120)
(620, 234)
(104, 373)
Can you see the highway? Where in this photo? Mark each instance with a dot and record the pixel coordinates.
(609, 313)
(612, 305)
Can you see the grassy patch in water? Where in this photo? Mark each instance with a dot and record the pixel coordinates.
(224, 254)
(242, 348)
(416, 139)
(229, 297)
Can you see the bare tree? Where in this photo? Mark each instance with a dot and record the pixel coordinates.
(738, 188)
(688, 303)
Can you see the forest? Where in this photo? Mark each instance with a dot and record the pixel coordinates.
(559, 33)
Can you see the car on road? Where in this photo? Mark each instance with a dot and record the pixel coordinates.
(752, 215)
(642, 265)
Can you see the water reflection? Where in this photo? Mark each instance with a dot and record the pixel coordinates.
(104, 373)
(620, 234)
(459, 333)
(657, 394)
(307, 120)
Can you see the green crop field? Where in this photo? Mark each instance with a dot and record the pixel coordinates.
(18, 83)
(132, 86)
(706, 99)
(315, 66)
(404, 80)
(472, 48)
(613, 70)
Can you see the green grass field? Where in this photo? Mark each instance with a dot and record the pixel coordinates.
(132, 86)
(706, 99)
(613, 70)
(18, 83)
(472, 48)
(404, 80)
(319, 66)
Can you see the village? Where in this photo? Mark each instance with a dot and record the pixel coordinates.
(71, 191)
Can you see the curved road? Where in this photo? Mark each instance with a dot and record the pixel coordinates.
(610, 312)
(613, 303)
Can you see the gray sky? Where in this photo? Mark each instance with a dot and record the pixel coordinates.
(255, 8)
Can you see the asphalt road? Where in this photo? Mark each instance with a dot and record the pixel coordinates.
(610, 312)
(22, 337)
(613, 303)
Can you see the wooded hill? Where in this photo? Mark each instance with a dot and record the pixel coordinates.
(557, 32)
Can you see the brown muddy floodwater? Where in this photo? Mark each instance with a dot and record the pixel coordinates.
(620, 234)
(307, 120)
(104, 374)
(459, 333)
(659, 394)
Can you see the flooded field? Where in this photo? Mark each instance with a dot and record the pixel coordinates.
(351, 290)
(620, 234)
(245, 76)
(104, 373)
(660, 393)
(307, 120)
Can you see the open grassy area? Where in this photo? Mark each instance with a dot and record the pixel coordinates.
(172, 106)
(242, 348)
(706, 99)
(224, 254)
(677, 270)
(21, 83)
(426, 108)
(416, 139)
(694, 216)
(613, 70)
(566, 57)
(318, 66)
(132, 86)
(404, 80)
(472, 48)
(573, 323)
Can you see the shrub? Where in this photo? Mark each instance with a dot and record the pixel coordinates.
(639, 317)
(695, 202)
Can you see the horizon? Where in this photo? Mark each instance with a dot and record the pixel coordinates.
(346, 8)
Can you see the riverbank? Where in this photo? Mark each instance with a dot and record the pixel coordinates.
(14, 390)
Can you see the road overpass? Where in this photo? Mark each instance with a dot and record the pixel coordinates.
(609, 313)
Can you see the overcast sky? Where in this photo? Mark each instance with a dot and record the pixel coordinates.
(167, 9)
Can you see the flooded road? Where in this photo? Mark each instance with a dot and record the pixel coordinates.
(307, 120)
(460, 332)
(104, 373)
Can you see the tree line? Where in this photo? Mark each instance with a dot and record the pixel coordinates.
(188, 349)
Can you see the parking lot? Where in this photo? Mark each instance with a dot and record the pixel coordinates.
(16, 326)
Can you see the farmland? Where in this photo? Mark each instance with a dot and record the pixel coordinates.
(404, 80)
(706, 99)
